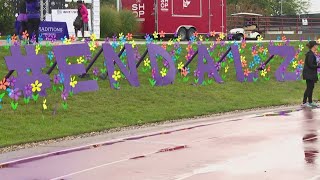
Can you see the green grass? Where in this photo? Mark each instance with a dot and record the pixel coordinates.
(108, 108)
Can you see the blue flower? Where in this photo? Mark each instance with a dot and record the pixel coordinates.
(61, 76)
(193, 38)
(174, 58)
(230, 55)
(257, 59)
(114, 45)
(50, 55)
(179, 50)
(40, 38)
(251, 65)
(0, 100)
(9, 91)
(8, 39)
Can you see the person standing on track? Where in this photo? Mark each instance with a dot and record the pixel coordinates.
(310, 74)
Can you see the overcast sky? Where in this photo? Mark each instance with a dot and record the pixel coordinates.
(314, 6)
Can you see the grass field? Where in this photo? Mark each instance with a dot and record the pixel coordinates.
(108, 108)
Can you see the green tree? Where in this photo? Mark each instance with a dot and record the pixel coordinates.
(6, 17)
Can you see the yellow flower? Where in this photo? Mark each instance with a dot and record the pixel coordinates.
(222, 36)
(170, 42)
(93, 37)
(155, 35)
(68, 41)
(36, 86)
(116, 75)
(180, 65)
(226, 69)
(133, 44)
(294, 64)
(243, 58)
(301, 47)
(45, 107)
(38, 48)
(201, 38)
(260, 38)
(80, 60)
(163, 72)
(179, 39)
(263, 72)
(73, 82)
(92, 46)
(146, 62)
(120, 35)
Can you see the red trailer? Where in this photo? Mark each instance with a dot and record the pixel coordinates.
(181, 17)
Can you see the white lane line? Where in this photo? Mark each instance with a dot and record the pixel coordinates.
(96, 167)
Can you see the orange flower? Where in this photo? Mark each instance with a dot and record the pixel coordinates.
(212, 33)
(243, 45)
(284, 38)
(269, 69)
(4, 84)
(244, 63)
(164, 46)
(300, 62)
(195, 34)
(254, 53)
(184, 72)
(25, 35)
(129, 36)
(246, 72)
(261, 49)
(162, 34)
(14, 38)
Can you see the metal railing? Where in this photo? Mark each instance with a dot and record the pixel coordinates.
(277, 25)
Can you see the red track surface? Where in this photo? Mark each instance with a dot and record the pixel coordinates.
(281, 146)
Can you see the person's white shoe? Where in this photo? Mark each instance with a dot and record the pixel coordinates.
(82, 40)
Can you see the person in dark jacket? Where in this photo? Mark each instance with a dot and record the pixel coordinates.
(310, 73)
(33, 15)
(22, 19)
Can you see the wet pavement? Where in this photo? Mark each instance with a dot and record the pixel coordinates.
(275, 145)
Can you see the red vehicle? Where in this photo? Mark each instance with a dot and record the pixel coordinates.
(181, 17)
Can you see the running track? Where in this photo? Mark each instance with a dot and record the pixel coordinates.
(276, 145)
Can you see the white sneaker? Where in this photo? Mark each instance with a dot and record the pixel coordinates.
(306, 105)
(82, 40)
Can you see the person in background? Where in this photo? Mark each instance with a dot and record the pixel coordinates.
(83, 13)
(22, 19)
(33, 15)
(310, 74)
